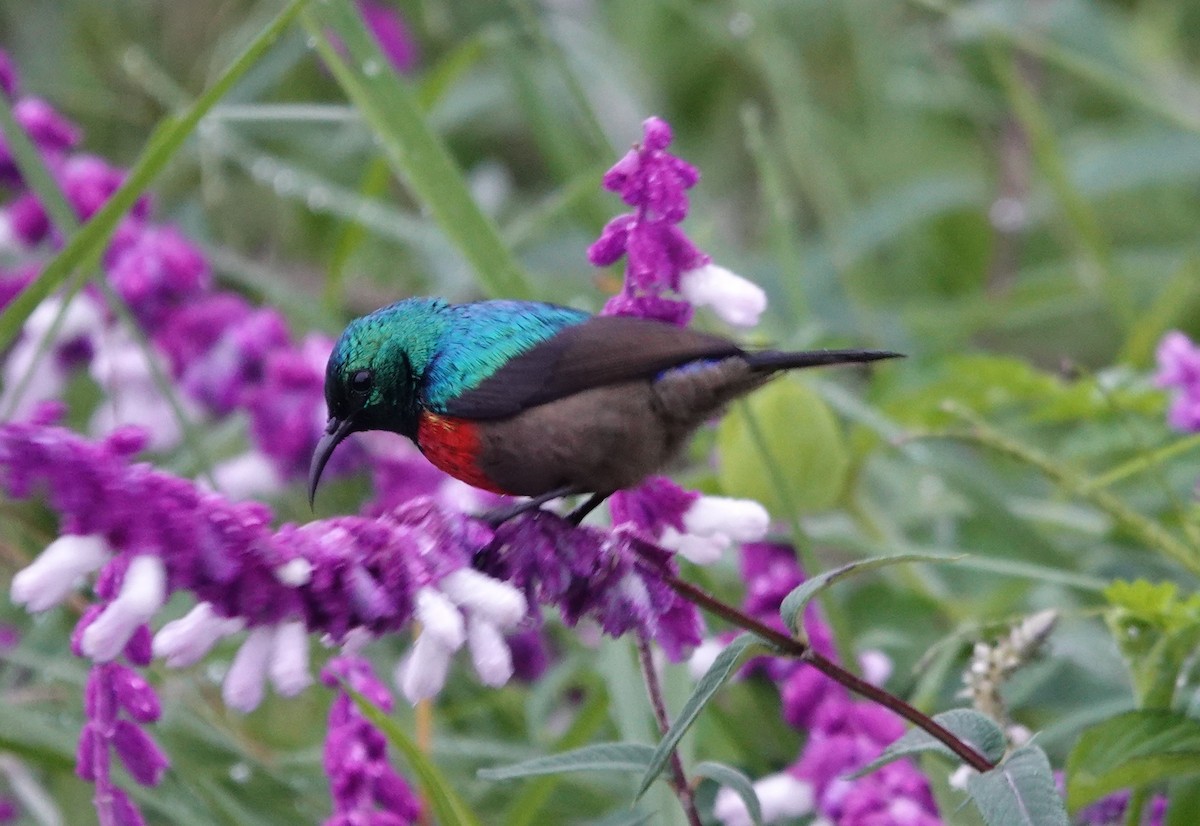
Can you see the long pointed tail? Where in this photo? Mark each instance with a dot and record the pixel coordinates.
(781, 360)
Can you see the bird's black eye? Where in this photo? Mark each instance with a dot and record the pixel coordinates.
(361, 381)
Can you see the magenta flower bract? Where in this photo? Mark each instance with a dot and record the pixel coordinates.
(365, 788)
(1179, 369)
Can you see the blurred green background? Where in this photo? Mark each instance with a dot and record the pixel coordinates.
(1006, 191)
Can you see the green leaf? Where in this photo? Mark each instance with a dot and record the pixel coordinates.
(393, 111)
(806, 447)
(977, 730)
(1184, 797)
(792, 607)
(447, 807)
(1130, 750)
(88, 243)
(628, 817)
(619, 757)
(735, 780)
(706, 687)
(1019, 792)
(1156, 631)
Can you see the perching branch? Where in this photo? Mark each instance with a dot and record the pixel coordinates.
(791, 647)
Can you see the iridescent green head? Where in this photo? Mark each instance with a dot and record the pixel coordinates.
(374, 373)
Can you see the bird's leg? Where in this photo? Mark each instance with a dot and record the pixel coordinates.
(576, 516)
(498, 516)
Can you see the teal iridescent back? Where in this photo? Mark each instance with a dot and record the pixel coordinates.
(477, 339)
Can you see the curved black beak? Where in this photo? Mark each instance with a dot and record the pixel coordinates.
(335, 431)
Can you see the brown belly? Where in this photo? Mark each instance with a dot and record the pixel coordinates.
(609, 438)
(603, 439)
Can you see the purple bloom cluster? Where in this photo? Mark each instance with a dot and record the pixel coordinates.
(613, 577)
(333, 575)
(844, 734)
(118, 701)
(148, 534)
(367, 791)
(1179, 369)
(225, 354)
(660, 258)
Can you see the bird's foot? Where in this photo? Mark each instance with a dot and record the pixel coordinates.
(576, 516)
(498, 516)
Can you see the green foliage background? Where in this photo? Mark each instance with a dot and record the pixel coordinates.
(1006, 191)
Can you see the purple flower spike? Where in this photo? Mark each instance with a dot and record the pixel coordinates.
(364, 786)
(50, 132)
(8, 75)
(699, 528)
(660, 258)
(1179, 369)
(107, 731)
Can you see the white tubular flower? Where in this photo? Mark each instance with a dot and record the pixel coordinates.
(959, 777)
(244, 682)
(735, 300)
(780, 795)
(131, 396)
(250, 475)
(423, 673)
(82, 317)
(712, 524)
(295, 572)
(703, 657)
(480, 594)
(288, 667)
(142, 593)
(876, 666)
(489, 652)
(185, 641)
(56, 572)
(440, 619)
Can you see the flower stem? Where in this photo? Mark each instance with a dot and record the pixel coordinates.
(678, 779)
(794, 648)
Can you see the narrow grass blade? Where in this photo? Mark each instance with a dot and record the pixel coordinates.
(393, 111)
(88, 243)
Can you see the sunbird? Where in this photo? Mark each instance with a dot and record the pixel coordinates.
(531, 399)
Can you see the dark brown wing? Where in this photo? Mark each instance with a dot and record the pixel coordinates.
(601, 351)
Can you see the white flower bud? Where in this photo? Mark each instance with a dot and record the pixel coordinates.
(185, 641)
(243, 688)
(440, 618)
(56, 571)
(735, 300)
(423, 673)
(780, 796)
(142, 593)
(288, 668)
(489, 652)
(480, 594)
